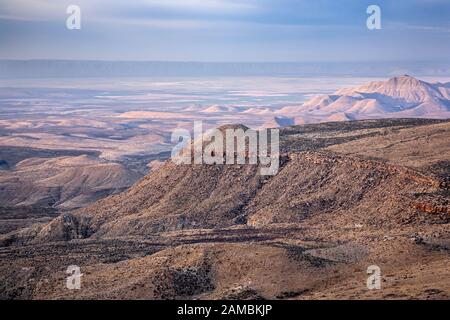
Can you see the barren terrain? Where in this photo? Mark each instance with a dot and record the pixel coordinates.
(348, 196)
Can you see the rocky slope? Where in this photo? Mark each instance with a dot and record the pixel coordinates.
(311, 185)
(62, 182)
(347, 196)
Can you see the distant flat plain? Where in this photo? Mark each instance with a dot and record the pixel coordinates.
(73, 141)
(65, 143)
(123, 117)
(135, 116)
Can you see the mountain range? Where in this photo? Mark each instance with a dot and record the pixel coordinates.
(398, 97)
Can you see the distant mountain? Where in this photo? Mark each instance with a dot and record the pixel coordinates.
(219, 109)
(399, 97)
(279, 122)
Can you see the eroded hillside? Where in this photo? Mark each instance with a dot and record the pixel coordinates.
(347, 196)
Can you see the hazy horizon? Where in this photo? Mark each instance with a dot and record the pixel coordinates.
(42, 68)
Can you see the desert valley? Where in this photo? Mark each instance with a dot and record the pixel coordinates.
(86, 179)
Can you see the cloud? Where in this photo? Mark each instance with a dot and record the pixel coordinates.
(428, 28)
(230, 6)
(223, 29)
(38, 10)
(32, 10)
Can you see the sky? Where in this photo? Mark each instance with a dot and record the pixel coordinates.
(226, 30)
